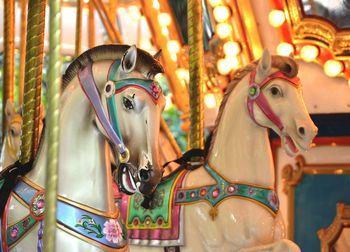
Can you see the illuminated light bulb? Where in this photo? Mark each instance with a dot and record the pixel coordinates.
(221, 13)
(134, 13)
(210, 100)
(333, 67)
(164, 19)
(121, 10)
(223, 30)
(232, 62)
(214, 3)
(232, 48)
(224, 66)
(276, 18)
(173, 46)
(349, 83)
(156, 4)
(165, 31)
(183, 74)
(284, 49)
(173, 57)
(145, 44)
(309, 53)
(168, 102)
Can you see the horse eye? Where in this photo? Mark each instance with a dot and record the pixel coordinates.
(128, 104)
(275, 91)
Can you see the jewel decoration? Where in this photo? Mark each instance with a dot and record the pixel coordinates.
(254, 91)
(155, 90)
(37, 207)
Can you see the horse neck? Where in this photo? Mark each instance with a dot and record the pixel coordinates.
(8, 155)
(84, 166)
(241, 149)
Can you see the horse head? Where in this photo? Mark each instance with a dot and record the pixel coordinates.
(281, 106)
(12, 141)
(135, 101)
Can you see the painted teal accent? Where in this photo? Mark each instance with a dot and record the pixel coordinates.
(112, 109)
(315, 206)
(264, 196)
(133, 81)
(112, 74)
(2, 182)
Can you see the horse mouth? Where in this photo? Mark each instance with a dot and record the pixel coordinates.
(292, 147)
(125, 180)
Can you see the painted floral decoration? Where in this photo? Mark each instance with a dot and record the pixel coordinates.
(89, 225)
(273, 199)
(113, 231)
(14, 233)
(38, 205)
(155, 89)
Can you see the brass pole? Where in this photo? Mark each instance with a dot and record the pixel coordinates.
(22, 49)
(112, 11)
(91, 24)
(195, 41)
(112, 32)
(78, 27)
(32, 79)
(9, 58)
(53, 97)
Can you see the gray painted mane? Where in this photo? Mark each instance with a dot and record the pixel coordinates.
(110, 52)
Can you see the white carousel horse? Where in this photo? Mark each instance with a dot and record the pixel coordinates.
(11, 145)
(230, 202)
(87, 220)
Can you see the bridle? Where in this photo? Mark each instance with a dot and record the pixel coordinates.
(255, 95)
(110, 123)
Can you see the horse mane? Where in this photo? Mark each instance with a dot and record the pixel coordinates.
(286, 65)
(109, 52)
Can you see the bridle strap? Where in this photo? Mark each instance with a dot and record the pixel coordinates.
(88, 85)
(261, 100)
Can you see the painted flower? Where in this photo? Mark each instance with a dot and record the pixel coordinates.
(113, 231)
(273, 199)
(155, 89)
(40, 204)
(14, 232)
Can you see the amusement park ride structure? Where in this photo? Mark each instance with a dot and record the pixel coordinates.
(207, 49)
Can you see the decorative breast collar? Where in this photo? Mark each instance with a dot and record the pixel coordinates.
(99, 228)
(223, 189)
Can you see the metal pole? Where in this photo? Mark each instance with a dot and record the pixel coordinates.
(112, 32)
(53, 126)
(22, 49)
(9, 58)
(32, 79)
(195, 40)
(91, 23)
(78, 27)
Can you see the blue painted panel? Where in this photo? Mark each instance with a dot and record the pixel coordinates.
(315, 206)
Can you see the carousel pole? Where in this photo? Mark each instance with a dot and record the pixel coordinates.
(32, 79)
(53, 125)
(91, 24)
(78, 27)
(22, 49)
(195, 41)
(9, 58)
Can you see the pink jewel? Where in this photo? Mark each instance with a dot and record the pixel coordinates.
(230, 189)
(216, 193)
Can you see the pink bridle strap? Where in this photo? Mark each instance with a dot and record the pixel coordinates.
(255, 95)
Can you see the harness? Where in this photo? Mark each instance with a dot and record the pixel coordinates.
(91, 225)
(224, 189)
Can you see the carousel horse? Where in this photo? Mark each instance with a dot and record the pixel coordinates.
(11, 145)
(229, 203)
(109, 98)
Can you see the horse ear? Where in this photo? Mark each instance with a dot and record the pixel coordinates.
(158, 54)
(9, 110)
(264, 66)
(129, 59)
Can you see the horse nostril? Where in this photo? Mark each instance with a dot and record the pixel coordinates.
(144, 175)
(301, 131)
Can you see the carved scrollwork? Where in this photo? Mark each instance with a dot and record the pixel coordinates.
(330, 234)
